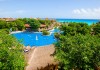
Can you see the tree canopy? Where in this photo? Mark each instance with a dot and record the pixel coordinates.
(35, 24)
(11, 53)
(75, 28)
(77, 48)
(96, 29)
(19, 24)
(2, 24)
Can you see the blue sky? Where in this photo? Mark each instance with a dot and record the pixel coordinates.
(89, 9)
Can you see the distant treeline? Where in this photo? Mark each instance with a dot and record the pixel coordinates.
(19, 24)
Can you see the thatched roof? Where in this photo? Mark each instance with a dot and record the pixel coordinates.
(27, 25)
(42, 25)
(8, 19)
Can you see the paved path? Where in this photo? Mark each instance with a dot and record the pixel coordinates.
(40, 57)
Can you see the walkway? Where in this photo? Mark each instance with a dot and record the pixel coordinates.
(39, 57)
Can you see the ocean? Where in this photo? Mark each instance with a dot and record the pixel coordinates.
(88, 21)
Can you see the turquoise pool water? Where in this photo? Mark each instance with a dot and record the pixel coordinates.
(36, 39)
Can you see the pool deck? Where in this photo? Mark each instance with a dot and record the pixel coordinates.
(39, 57)
(14, 32)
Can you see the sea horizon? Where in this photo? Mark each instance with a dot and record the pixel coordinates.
(88, 21)
(52, 18)
(77, 20)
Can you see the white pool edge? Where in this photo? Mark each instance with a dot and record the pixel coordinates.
(14, 32)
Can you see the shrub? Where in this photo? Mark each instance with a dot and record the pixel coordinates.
(78, 52)
(45, 32)
(11, 53)
(4, 31)
(14, 28)
(57, 35)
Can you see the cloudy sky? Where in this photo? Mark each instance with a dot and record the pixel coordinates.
(89, 9)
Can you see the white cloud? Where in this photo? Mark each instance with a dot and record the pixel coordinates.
(89, 13)
(77, 11)
(84, 11)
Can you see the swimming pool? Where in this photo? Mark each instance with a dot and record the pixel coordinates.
(36, 39)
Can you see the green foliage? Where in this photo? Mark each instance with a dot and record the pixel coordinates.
(11, 53)
(77, 48)
(75, 28)
(12, 24)
(4, 31)
(25, 20)
(14, 28)
(41, 21)
(78, 52)
(45, 32)
(96, 29)
(57, 35)
(35, 24)
(48, 22)
(19, 24)
(2, 24)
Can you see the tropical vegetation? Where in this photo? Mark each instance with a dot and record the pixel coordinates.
(19, 24)
(11, 52)
(78, 47)
(45, 32)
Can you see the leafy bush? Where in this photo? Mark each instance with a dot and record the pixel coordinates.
(35, 24)
(11, 53)
(57, 35)
(77, 48)
(19, 24)
(78, 52)
(45, 32)
(75, 28)
(4, 31)
(2, 24)
(96, 29)
(14, 28)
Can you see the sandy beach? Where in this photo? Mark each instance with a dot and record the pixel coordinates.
(39, 57)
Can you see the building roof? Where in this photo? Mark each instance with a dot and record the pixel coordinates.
(42, 25)
(8, 19)
(27, 25)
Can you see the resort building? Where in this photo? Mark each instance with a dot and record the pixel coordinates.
(8, 19)
(42, 27)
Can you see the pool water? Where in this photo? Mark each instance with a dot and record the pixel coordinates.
(36, 39)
